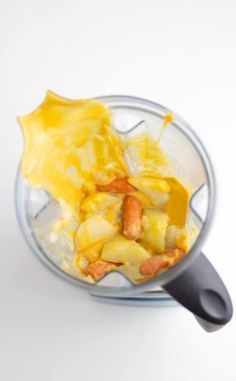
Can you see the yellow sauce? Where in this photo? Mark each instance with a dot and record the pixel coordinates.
(67, 144)
(178, 204)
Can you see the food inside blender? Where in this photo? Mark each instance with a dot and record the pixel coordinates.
(120, 206)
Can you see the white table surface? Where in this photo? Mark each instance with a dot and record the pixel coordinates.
(181, 54)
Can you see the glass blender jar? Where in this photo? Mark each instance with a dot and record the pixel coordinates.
(193, 282)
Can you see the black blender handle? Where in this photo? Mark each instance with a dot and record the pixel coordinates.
(200, 289)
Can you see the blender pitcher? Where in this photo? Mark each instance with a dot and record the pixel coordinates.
(193, 281)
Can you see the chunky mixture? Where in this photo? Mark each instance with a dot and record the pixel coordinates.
(120, 204)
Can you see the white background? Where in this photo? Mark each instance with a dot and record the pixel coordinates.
(181, 54)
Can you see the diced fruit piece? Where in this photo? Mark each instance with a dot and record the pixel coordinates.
(183, 241)
(81, 262)
(173, 233)
(119, 185)
(98, 269)
(93, 230)
(132, 217)
(122, 250)
(97, 201)
(156, 189)
(132, 272)
(178, 204)
(158, 198)
(151, 266)
(146, 203)
(145, 222)
(92, 253)
(103, 177)
(176, 237)
(154, 236)
(149, 183)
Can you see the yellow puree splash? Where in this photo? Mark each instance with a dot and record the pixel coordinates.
(70, 146)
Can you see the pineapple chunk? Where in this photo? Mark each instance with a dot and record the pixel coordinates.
(145, 201)
(154, 236)
(92, 253)
(122, 250)
(132, 272)
(158, 198)
(149, 183)
(173, 233)
(93, 230)
(156, 189)
(81, 262)
(183, 241)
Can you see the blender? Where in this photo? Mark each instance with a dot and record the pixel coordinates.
(193, 282)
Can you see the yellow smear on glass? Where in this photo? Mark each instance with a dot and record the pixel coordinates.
(66, 143)
(144, 156)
